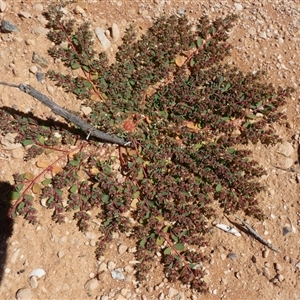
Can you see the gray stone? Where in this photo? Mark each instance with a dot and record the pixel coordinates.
(104, 41)
(117, 274)
(232, 256)
(7, 26)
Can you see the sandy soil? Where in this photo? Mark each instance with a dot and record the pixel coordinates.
(266, 36)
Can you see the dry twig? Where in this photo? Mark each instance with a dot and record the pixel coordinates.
(89, 129)
(257, 236)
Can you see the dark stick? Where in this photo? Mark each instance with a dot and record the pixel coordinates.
(89, 129)
(257, 236)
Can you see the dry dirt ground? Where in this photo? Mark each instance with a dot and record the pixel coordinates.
(266, 36)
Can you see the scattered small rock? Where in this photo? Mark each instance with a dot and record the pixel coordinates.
(24, 14)
(40, 30)
(39, 76)
(122, 249)
(238, 6)
(253, 258)
(3, 6)
(86, 110)
(298, 265)
(117, 274)
(115, 32)
(24, 294)
(33, 69)
(286, 230)
(238, 275)
(172, 292)
(7, 26)
(266, 253)
(266, 272)
(61, 253)
(38, 273)
(111, 265)
(280, 277)
(17, 153)
(40, 60)
(105, 43)
(288, 163)
(278, 267)
(232, 255)
(91, 284)
(79, 10)
(38, 7)
(102, 267)
(286, 149)
(33, 282)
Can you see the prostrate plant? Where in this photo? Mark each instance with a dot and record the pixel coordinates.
(185, 113)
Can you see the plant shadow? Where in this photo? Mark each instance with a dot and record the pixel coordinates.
(6, 223)
(49, 122)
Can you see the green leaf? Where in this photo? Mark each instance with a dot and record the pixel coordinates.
(41, 139)
(245, 125)
(179, 246)
(74, 189)
(259, 103)
(199, 42)
(159, 241)
(74, 162)
(143, 242)
(213, 30)
(251, 116)
(136, 194)
(46, 181)
(167, 251)
(226, 87)
(20, 207)
(15, 195)
(175, 238)
(198, 146)
(85, 68)
(231, 150)
(192, 62)
(27, 142)
(105, 198)
(75, 66)
(19, 187)
(28, 197)
(219, 188)
(107, 222)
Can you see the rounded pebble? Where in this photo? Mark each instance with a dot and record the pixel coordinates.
(33, 282)
(24, 294)
(117, 274)
(111, 265)
(122, 249)
(91, 284)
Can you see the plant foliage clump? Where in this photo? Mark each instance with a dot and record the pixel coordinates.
(185, 113)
